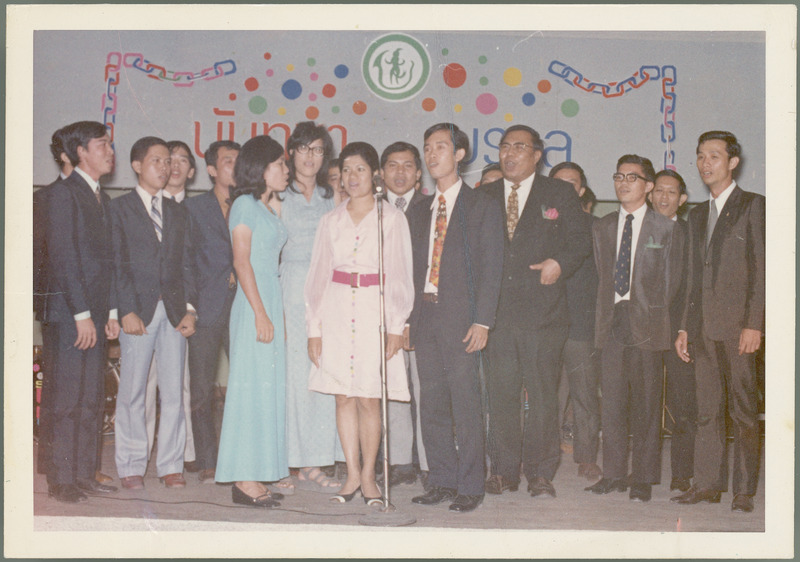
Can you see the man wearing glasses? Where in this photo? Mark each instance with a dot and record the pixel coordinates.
(546, 240)
(638, 254)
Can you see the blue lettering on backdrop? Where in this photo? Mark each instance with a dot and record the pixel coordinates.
(490, 146)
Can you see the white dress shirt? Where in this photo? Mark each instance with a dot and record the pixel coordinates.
(523, 192)
(722, 198)
(392, 197)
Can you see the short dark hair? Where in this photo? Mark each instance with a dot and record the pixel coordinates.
(570, 166)
(173, 144)
(401, 146)
(254, 157)
(673, 174)
(307, 132)
(493, 167)
(363, 149)
(458, 137)
(647, 166)
(212, 153)
(57, 147)
(538, 143)
(334, 163)
(141, 146)
(80, 134)
(588, 197)
(732, 145)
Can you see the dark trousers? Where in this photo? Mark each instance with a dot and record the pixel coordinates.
(450, 404)
(76, 382)
(631, 380)
(517, 357)
(44, 450)
(681, 402)
(726, 378)
(204, 347)
(581, 367)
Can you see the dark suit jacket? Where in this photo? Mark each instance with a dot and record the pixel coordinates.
(483, 224)
(146, 269)
(524, 302)
(40, 249)
(727, 282)
(582, 294)
(656, 276)
(211, 258)
(79, 259)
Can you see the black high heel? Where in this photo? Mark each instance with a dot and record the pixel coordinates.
(344, 498)
(265, 500)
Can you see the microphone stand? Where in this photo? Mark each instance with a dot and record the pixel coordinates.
(386, 516)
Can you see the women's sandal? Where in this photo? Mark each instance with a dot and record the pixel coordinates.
(319, 482)
(284, 487)
(372, 502)
(264, 500)
(344, 498)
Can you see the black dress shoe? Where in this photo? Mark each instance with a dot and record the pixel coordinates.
(696, 495)
(436, 495)
(541, 486)
(464, 503)
(92, 485)
(742, 503)
(608, 485)
(265, 500)
(640, 492)
(66, 493)
(680, 484)
(496, 484)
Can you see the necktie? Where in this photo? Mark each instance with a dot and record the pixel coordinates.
(155, 214)
(97, 195)
(622, 271)
(438, 240)
(400, 203)
(712, 221)
(512, 213)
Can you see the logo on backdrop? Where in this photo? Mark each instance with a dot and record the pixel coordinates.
(396, 67)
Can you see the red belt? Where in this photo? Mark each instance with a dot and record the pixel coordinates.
(354, 279)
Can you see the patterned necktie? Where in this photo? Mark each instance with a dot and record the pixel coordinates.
(712, 222)
(438, 240)
(155, 214)
(622, 271)
(400, 203)
(512, 213)
(97, 195)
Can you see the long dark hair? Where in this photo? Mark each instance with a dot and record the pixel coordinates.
(254, 157)
(307, 132)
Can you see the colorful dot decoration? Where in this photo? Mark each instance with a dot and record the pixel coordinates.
(528, 99)
(486, 103)
(335, 109)
(445, 52)
(482, 59)
(291, 89)
(457, 108)
(341, 71)
(290, 67)
(329, 90)
(512, 76)
(314, 76)
(270, 72)
(312, 112)
(251, 84)
(454, 75)
(311, 61)
(428, 104)
(569, 108)
(359, 108)
(267, 56)
(483, 81)
(232, 97)
(257, 105)
(544, 86)
(508, 117)
(312, 97)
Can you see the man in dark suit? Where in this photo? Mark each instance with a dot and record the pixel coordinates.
(76, 309)
(458, 259)
(638, 254)
(546, 240)
(723, 318)
(211, 266)
(153, 291)
(401, 170)
(667, 197)
(579, 358)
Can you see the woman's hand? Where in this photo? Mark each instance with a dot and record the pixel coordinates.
(265, 331)
(315, 350)
(394, 343)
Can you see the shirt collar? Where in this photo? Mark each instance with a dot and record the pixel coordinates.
(392, 196)
(450, 195)
(177, 198)
(93, 184)
(638, 214)
(722, 198)
(147, 199)
(524, 184)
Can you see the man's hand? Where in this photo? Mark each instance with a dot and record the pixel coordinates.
(394, 343)
(749, 341)
(186, 325)
(314, 350)
(112, 329)
(550, 269)
(476, 336)
(407, 340)
(682, 346)
(87, 334)
(133, 325)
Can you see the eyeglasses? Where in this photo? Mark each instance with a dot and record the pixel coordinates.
(630, 178)
(317, 150)
(517, 146)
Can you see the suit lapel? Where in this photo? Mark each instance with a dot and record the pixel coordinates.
(144, 216)
(645, 234)
(730, 213)
(215, 213)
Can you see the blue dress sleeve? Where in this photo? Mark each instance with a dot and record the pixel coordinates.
(243, 211)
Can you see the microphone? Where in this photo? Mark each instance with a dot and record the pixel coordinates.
(378, 185)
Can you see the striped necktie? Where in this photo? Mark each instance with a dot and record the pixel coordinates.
(155, 214)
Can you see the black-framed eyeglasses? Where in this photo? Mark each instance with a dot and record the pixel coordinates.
(517, 146)
(630, 178)
(317, 150)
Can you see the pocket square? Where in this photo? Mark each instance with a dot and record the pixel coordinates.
(651, 244)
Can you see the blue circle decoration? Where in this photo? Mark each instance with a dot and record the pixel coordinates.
(341, 71)
(528, 99)
(291, 89)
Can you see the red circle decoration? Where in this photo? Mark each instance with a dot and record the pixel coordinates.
(454, 75)
(251, 84)
(329, 90)
(544, 86)
(312, 112)
(267, 56)
(429, 104)
(359, 108)
(232, 97)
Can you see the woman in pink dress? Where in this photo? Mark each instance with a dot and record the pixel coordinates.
(342, 315)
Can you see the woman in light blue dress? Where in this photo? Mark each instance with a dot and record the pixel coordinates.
(252, 446)
(311, 438)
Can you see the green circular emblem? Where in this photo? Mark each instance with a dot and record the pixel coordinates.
(396, 67)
